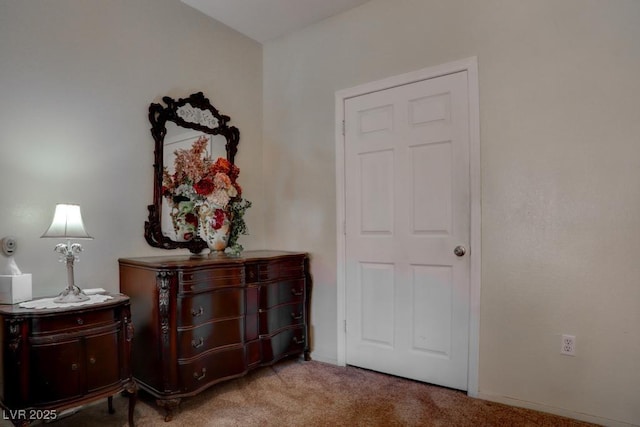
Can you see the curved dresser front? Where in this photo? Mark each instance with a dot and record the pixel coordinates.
(199, 320)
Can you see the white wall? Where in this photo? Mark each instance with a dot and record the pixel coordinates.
(560, 148)
(559, 99)
(76, 81)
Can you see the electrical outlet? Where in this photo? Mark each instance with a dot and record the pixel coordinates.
(568, 345)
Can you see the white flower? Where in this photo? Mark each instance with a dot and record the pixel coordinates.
(185, 190)
(219, 197)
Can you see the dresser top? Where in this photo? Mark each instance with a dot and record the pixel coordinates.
(15, 309)
(170, 261)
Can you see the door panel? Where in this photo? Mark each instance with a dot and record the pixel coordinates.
(432, 301)
(407, 208)
(431, 180)
(377, 292)
(376, 188)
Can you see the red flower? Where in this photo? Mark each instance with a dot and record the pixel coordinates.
(218, 218)
(204, 187)
(191, 218)
(234, 172)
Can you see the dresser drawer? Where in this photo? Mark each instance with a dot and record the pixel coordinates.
(281, 316)
(193, 281)
(208, 306)
(220, 333)
(283, 292)
(287, 342)
(265, 272)
(83, 320)
(199, 373)
(252, 273)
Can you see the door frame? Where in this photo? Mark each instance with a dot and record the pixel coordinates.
(470, 65)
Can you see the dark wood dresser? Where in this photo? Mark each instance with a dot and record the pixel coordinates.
(203, 319)
(55, 359)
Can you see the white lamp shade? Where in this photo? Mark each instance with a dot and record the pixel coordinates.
(67, 223)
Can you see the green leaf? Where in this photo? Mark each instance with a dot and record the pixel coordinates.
(237, 209)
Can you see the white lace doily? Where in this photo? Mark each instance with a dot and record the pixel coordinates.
(49, 303)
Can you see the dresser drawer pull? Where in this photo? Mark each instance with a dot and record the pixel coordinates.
(198, 343)
(296, 316)
(200, 377)
(92, 360)
(297, 340)
(297, 292)
(80, 321)
(195, 313)
(74, 366)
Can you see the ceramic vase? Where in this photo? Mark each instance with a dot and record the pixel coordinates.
(215, 226)
(185, 221)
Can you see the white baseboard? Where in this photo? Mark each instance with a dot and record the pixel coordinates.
(324, 359)
(554, 410)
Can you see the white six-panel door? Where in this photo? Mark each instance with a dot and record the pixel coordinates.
(407, 209)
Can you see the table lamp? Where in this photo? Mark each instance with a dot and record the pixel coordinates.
(67, 224)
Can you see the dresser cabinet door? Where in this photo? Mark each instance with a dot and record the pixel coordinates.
(102, 361)
(56, 371)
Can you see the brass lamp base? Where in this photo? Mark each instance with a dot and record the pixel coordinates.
(71, 294)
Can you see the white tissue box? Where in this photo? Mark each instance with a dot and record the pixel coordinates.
(15, 288)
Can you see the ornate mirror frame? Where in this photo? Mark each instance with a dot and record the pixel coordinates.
(194, 112)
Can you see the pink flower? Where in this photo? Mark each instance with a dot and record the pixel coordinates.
(221, 180)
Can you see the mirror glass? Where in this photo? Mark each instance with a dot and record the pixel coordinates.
(179, 138)
(177, 126)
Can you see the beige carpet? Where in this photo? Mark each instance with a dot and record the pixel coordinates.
(298, 393)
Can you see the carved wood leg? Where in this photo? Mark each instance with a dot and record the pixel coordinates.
(169, 405)
(307, 355)
(132, 391)
(110, 405)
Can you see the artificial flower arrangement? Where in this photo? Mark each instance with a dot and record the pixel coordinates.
(205, 198)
